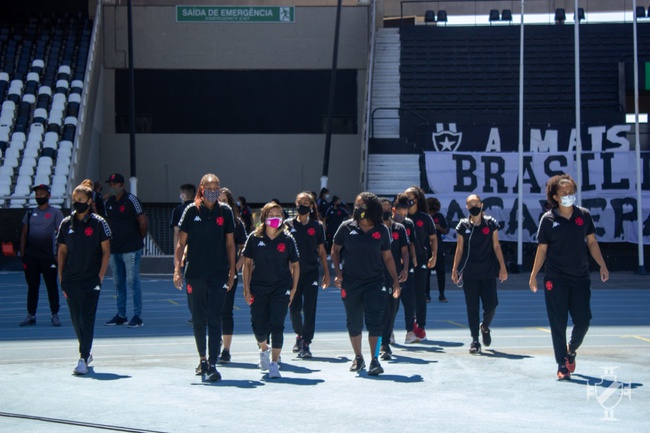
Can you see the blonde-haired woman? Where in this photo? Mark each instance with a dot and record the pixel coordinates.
(84, 250)
(270, 273)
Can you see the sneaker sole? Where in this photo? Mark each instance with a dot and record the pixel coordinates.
(135, 326)
(223, 361)
(213, 378)
(375, 372)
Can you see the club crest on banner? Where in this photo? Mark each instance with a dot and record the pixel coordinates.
(446, 140)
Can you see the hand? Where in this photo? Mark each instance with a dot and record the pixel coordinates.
(532, 283)
(403, 276)
(397, 290)
(231, 280)
(432, 262)
(178, 280)
(338, 281)
(604, 273)
(247, 295)
(503, 274)
(454, 276)
(326, 281)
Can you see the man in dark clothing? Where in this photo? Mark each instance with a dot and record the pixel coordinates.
(37, 250)
(188, 191)
(129, 225)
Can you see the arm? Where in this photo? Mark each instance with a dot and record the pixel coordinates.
(178, 259)
(61, 258)
(143, 225)
(232, 262)
(106, 254)
(594, 250)
(390, 265)
(23, 241)
(433, 243)
(413, 256)
(295, 273)
(540, 258)
(460, 245)
(334, 254)
(323, 261)
(403, 276)
(240, 260)
(247, 271)
(496, 245)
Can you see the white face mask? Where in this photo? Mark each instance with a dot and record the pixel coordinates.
(568, 200)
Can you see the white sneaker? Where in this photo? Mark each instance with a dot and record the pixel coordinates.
(411, 338)
(265, 359)
(81, 368)
(274, 370)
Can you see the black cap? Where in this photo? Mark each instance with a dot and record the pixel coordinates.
(116, 178)
(41, 186)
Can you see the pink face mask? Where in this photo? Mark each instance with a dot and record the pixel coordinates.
(273, 222)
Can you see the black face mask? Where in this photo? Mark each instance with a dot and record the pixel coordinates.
(303, 210)
(41, 200)
(411, 203)
(475, 210)
(386, 215)
(80, 207)
(359, 213)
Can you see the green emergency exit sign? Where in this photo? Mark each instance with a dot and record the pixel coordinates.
(236, 14)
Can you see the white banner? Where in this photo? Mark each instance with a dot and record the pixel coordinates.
(608, 189)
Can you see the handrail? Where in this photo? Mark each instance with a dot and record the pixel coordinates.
(85, 95)
(369, 81)
(399, 110)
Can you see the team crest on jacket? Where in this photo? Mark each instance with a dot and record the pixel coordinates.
(549, 285)
(486, 231)
(395, 235)
(311, 231)
(343, 293)
(282, 247)
(420, 223)
(579, 221)
(219, 221)
(122, 208)
(376, 235)
(88, 231)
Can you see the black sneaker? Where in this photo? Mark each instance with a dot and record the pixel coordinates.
(358, 364)
(225, 357)
(563, 373)
(212, 375)
(29, 321)
(136, 322)
(385, 354)
(375, 368)
(442, 298)
(298, 345)
(570, 362)
(304, 353)
(117, 320)
(475, 348)
(202, 368)
(485, 336)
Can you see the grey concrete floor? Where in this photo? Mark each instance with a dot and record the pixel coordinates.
(142, 379)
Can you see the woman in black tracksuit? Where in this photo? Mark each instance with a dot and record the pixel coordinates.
(310, 238)
(399, 246)
(84, 250)
(367, 251)
(271, 272)
(227, 321)
(562, 234)
(207, 228)
(477, 264)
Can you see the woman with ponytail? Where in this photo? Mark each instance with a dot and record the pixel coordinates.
(270, 273)
(367, 253)
(83, 253)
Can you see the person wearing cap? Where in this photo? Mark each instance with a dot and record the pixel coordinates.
(129, 225)
(38, 253)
